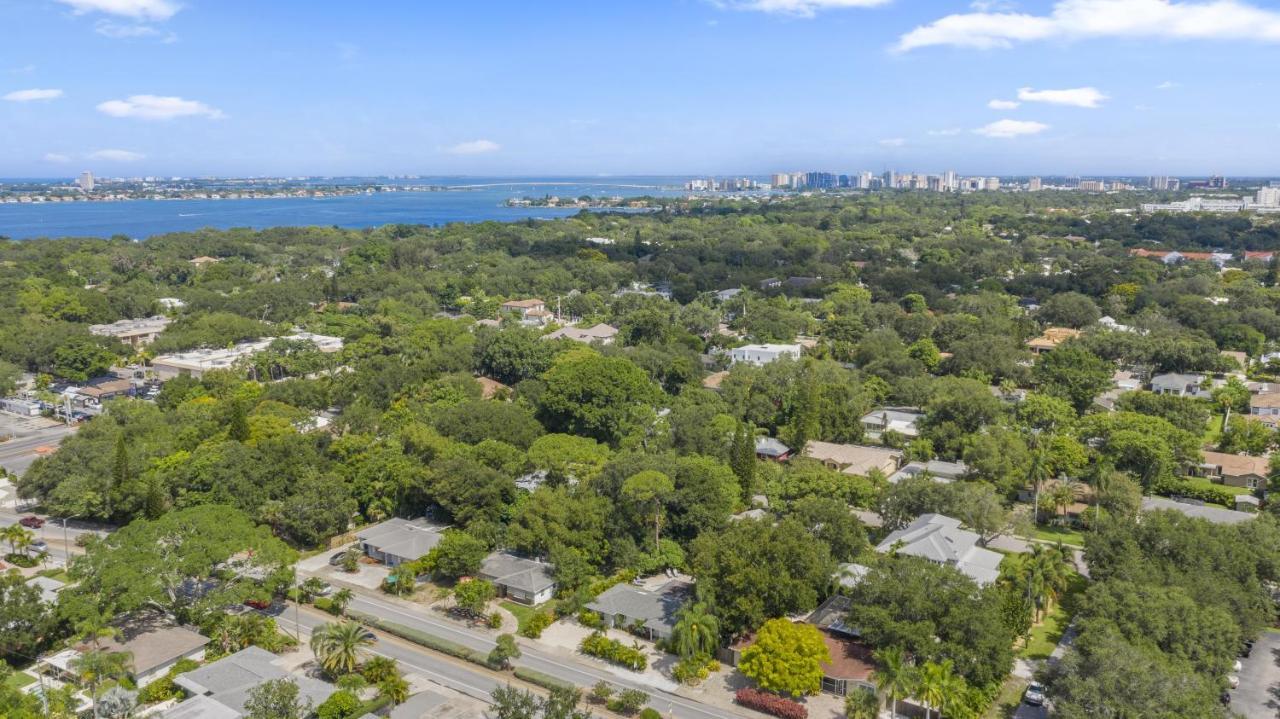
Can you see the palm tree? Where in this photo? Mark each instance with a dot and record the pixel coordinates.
(936, 681)
(339, 646)
(96, 667)
(341, 599)
(697, 631)
(1038, 471)
(18, 537)
(861, 704)
(379, 668)
(1062, 494)
(394, 688)
(894, 675)
(956, 698)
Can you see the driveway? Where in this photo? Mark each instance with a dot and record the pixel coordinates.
(1259, 694)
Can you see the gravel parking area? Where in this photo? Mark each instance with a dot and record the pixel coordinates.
(1258, 696)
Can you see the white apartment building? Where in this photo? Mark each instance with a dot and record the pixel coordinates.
(763, 354)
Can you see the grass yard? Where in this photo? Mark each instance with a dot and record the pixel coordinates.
(1203, 482)
(1009, 699)
(56, 574)
(1045, 635)
(1212, 431)
(524, 613)
(18, 680)
(1065, 535)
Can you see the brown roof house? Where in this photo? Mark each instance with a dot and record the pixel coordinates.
(1235, 470)
(1051, 338)
(854, 459)
(531, 311)
(154, 643)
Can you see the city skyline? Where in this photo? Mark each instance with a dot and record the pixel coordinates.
(1068, 87)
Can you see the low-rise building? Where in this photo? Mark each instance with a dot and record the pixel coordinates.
(220, 689)
(527, 581)
(397, 540)
(853, 458)
(1179, 384)
(772, 449)
(940, 539)
(136, 333)
(938, 470)
(197, 362)
(903, 421)
(1265, 406)
(532, 311)
(1196, 509)
(1235, 470)
(763, 354)
(654, 610)
(601, 333)
(154, 643)
(1051, 338)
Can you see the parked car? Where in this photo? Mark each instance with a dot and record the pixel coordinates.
(336, 560)
(1246, 649)
(258, 603)
(1034, 694)
(1225, 698)
(38, 547)
(31, 521)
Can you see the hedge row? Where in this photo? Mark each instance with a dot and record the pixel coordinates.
(771, 704)
(1183, 488)
(546, 681)
(430, 641)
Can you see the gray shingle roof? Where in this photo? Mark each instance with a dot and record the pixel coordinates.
(940, 539)
(1217, 515)
(656, 610)
(229, 680)
(526, 575)
(405, 538)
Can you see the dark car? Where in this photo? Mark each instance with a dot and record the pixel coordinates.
(1246, 649)
(31, 522)
(259, 603)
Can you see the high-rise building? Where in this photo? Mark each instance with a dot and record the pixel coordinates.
(890, 179)
(781, 179)
(991, 184)
(1034, 185)
(864, 180)
(1159, 183)
(1092, 186)
(1268, 196)
(950, 181)
(85, 181)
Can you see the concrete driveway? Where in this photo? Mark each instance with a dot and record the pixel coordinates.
(1259, 694)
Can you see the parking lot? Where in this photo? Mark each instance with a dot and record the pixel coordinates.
(1258, 696)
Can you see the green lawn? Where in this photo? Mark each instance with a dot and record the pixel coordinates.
(1065, 535)
(57, 574)
(1212, 431)
(17, 680)
(1045, 635)
(1010, 697)
(1203, 482)
(524, 613)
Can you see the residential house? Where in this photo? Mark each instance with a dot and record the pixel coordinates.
(729, 294)
(48, 586)
(154, 643)
(772, 449)
(854, 459)
(397, 540)
(220, 689)
(1196, 509)
(203, 261)
(903, 421)
(1239, 362)
(602, 333)
(654, 610)
(942, 472)
(1265, 407)
(1110, 323)
(531, 311)
(1179, 384)
(136, 333)
(1051, 338)
(772, 283)
(431, 705)
(526, 581)
(940, 539)
(763, 354)
(1235, 470)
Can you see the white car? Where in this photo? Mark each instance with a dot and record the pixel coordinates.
(1034, 694)
(1233, 681)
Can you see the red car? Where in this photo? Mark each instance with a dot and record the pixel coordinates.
(31, 522)
(258, 603)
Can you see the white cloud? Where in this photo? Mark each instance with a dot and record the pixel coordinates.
(948, 132)
(1076, 97)
(799, 8)
(1004, 104)
(116, 156)
(57, 158)
(120, 31)
(893, 142)
(1167, 85)
(1079, 19)
(136, 9)
(475, 147)
(1012, 128)
(153, 107)
(33, 95)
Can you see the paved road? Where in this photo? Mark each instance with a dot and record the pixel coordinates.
(1258, 696)
(581, 673)
(18, 453)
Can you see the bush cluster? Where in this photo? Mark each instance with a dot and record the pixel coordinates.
(1183, 488)
(695, 669)
(590, 619)
(546, 681)
(612, 650)
(627, 702)
(771, 704)
(536, 624)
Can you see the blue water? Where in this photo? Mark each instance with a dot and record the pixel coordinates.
(482, 200)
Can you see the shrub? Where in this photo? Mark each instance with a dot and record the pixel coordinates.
(495, 621)
(536, 624)
(546, 681)
(600, 693)
(1183, 488)
(771, 704)
(628, 701)
(159, 690)
(590, 619)
(650, 713)
(20, 560)
(325, 604)
(342, 704)
(692, 670)
(612, 650)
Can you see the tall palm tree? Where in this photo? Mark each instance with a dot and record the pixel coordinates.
(862, 704)
(339, 646)
(18, 537)
(955, 698)
(96, 667)
(894, 675)
(697, 631)
(1038, 471)
(937, 680)
(341, 599)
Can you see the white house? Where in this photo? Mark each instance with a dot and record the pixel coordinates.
(763, 354)
(940, 539)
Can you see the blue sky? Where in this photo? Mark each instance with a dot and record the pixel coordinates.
(284, 87)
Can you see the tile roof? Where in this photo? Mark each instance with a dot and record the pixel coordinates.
(1235, 465)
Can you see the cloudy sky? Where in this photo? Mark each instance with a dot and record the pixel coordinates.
(638, 86)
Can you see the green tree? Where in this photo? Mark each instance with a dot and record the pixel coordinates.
(25, 620)
(650, 487)
(1074, 374)
(786, 657)
(894, 676)
(696, 632)
(605, 398)
(472, 596)
(742, 458)
(457, 554)
(504, 650)
(342, 704)
(276, 699)
(340, 646)
(96, 667)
